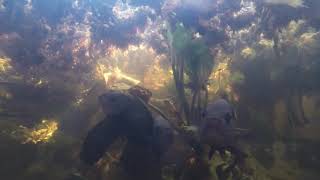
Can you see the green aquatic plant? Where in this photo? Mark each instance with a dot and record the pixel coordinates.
(192, 65)
(285, 67)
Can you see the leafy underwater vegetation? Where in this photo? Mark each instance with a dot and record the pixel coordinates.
(58, 56)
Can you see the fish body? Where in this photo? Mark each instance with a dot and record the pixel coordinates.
(126, 116)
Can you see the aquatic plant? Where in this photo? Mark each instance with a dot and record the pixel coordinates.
(192, 65)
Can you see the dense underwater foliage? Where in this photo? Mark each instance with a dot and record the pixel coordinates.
(58, 56)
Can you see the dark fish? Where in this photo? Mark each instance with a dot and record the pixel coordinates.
(126, 116)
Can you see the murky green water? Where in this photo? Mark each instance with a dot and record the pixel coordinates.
(58, 56)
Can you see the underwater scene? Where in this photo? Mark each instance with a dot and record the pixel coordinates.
(159, 89)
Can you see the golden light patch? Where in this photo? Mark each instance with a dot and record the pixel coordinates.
(138, 64)
(219, 77)
(156, 77)
(4, 64)
(266, 43)
(248, 53)
(42, 133)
